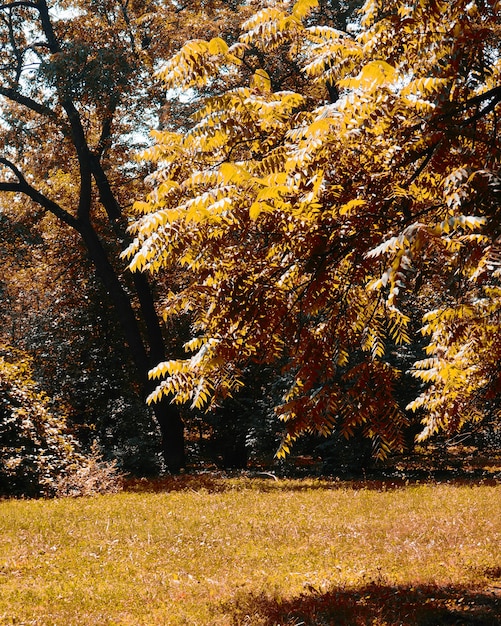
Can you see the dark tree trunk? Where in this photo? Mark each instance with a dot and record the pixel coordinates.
(172, 429)
(167, 415)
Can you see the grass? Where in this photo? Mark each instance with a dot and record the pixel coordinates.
(208, 551)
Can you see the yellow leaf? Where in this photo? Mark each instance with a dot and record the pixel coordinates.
(303, 7)
(232, 173)
(373, 75)
(218, 46)
(261, 80)
(319, 127)
(349, 207)
(255, 210)
(167, 367)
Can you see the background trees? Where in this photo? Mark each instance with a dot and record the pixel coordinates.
(77, 97)
(38, 454)
(319, 215)
(34, 447)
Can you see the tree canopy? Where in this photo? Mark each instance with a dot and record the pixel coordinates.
(324, 218)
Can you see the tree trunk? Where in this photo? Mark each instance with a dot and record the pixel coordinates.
(172, 429)
(167, 415)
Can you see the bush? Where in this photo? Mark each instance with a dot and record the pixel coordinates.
(38, 456)
(92, 476)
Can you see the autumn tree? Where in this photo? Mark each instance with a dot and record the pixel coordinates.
(316, 219)
(77, 95)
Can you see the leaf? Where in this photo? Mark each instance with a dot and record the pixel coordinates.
(351, 206)
(373, 75)
(261, 80)
(218, 46)
(302, 8)
(233, 173)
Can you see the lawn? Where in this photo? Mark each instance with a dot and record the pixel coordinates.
(203, 551)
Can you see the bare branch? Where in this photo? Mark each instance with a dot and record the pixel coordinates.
(22, 186)
(18, 3)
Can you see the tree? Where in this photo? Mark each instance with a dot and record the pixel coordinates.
(77, 97)
(311, 218)
(54, 308)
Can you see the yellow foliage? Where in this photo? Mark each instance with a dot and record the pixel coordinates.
(261, 80)
(319, 222)
(302, 8)
(372, 76)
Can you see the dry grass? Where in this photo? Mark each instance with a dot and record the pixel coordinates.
(208, 551)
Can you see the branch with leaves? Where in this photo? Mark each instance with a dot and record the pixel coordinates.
(380, 172)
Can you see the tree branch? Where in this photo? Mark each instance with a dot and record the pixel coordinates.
(33, 105)
(43, 10)
(22, 186)
(106, 127)
(18, 3)
(493, 95)
(484, 111)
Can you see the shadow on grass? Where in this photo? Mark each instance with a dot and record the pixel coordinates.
(219, 482)
(374, 604)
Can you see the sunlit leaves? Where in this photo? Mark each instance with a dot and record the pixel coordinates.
(372, 76)
(311, 220)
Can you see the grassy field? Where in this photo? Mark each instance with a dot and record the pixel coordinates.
(255, 552)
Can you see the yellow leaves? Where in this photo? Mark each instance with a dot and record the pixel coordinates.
(453, 223)
(393, 244)
(217, 46)
(424, 87)
(435, 319)
(271, 194)
(464, 347)
(384, 324)
(233, 173)
(374, 343)
(237, 51)
(351, 207)
(267, 28)
(261, 81)
(257, 208)
(368, 12)
(398, 325)
(197, 62)
(302, 8)
(319, 128)
(168, 367)
(309, 220)
(373, 75)
(194, 379)
(271, 26)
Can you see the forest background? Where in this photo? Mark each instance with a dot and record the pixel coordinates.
(317, 220)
